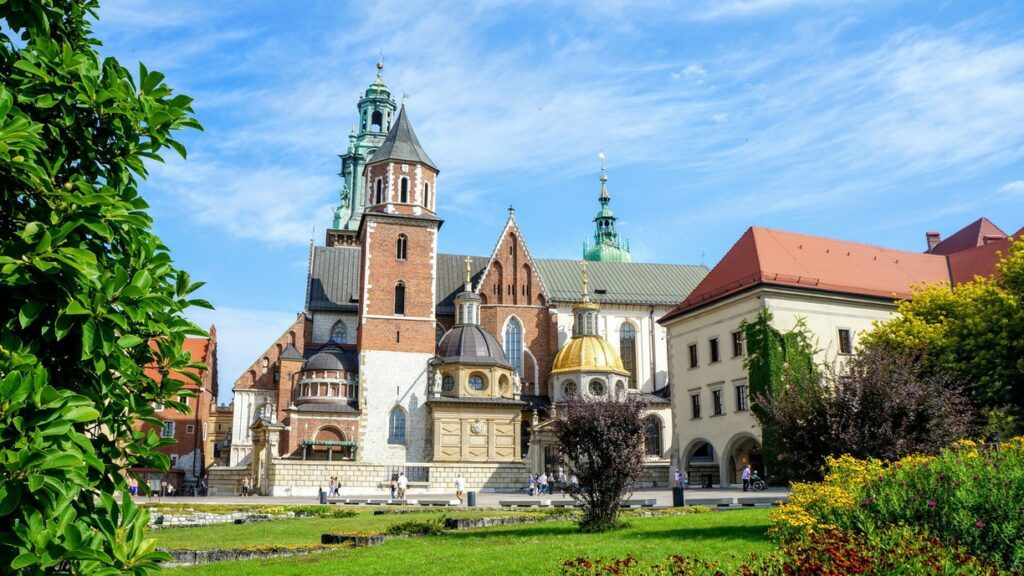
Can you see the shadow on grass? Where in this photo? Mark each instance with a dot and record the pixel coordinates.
(750, 533)
(520, 531)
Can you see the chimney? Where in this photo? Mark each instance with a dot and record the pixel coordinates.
(933, 239)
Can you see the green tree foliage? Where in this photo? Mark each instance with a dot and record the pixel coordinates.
(88, 294)
(975, 333)
(883, 403)
(775, 360)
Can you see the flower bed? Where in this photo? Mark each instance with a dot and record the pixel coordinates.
(968, 494)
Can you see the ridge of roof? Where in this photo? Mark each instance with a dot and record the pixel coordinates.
(778, 257)
(970, 236)
(401, 143)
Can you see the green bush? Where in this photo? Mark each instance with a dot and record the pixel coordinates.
(418, 527)
(969, 494)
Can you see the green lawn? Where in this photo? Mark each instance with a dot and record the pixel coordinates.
(728, 537)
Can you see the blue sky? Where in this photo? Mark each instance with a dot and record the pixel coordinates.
(864, 120)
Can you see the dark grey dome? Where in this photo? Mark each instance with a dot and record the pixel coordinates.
(471, 344)
(332, 359)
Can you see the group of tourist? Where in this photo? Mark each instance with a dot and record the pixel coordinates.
(399, 484)
(541, 484)
(333, 486)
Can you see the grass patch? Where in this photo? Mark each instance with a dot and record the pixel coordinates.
(302, 531)
(728, 537)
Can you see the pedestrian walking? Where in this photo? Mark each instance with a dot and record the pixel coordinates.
(531, 484)
(460, 486)
(543, 483)
(403, 485)
(133, 487)
(746, 477)
(678, 478)
(245, 486)
(394, 487)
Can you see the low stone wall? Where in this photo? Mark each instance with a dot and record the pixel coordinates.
(190, 557)
(165, 520)
(656, 475)
(471, 523)
(305, 478)
(225, 481)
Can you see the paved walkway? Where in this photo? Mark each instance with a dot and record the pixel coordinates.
(484, 499)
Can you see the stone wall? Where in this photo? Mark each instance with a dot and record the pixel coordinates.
(305, 478)
(225, 481)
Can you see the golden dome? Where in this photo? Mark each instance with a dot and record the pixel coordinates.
(588, 353)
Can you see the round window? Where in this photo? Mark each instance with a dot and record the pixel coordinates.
(569, 387)
(448, 384)
(476, 382)
(596, 387)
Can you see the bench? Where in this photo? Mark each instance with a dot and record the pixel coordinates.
(720, 502)
(525, 503)
(396, 502)
(754, 500)
(436, 502)
(565, 503)
(638, 503)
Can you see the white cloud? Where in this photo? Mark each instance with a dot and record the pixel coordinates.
(1013, 189)
(726, 9)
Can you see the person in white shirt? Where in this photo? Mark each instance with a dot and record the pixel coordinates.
(746, 477)
(460, 486)
(543, 483)
(403, 484)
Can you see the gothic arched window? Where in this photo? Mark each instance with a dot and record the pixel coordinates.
(402, 243)
(339, 333)
(426, 194)
(405, 191)
(400, 298)
(652, 435)
(396, 426)
(379, 198)
(514, 344)
(627, 351)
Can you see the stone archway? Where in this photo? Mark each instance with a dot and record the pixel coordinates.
(700, 460)
(742, 449)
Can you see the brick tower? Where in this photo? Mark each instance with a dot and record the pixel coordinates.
(396, 336)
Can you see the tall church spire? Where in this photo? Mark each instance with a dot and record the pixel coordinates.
(607, 247)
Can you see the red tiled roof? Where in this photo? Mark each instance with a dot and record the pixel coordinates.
(980, 260)
(973, 235)
(775, 257)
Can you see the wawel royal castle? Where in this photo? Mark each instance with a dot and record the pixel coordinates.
(407, 359)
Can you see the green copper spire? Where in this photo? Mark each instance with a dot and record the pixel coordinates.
(376, 112)
(606, 247)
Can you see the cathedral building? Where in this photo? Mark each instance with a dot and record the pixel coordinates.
(443, 364)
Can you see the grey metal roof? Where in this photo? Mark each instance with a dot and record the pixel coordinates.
(471, 344)
(653, 399)
(402, 144)
(451, 277)
(332, 359)
(332, 407)
(290, 353)
(621, 282)
(334, 280)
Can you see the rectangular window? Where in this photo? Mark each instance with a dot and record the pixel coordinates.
(168, 431)
(845, 341)
(695, 405)
(716, 402)
(741, 398)
(693, 355)
(737, 344)
(183, 400)
(158, 407)
(190, 429)
(174, 459)
(713, 349)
